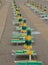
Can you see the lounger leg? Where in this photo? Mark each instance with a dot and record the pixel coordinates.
(17, 44)
(29, 57)
(14, 58)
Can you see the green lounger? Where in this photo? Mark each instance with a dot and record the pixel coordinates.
(18, 41)
(30, 63)
(20, 28)
(17, 36)
(44, 15)
(24, 52)
(36, 10)
(34, 63)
